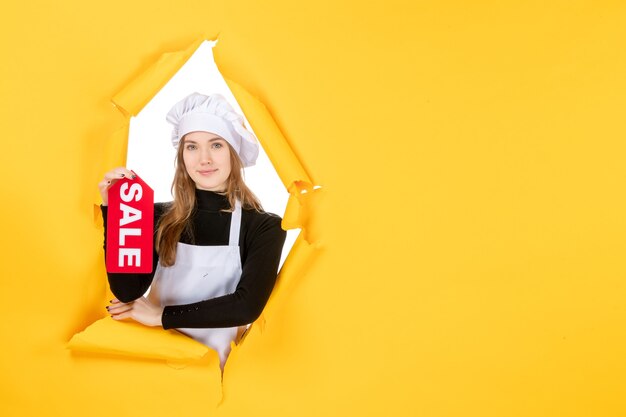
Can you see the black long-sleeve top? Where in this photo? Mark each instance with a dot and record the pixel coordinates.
(261, 240)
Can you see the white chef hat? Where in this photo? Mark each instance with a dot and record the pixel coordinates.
(213, 114)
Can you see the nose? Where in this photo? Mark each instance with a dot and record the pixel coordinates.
(206, 157)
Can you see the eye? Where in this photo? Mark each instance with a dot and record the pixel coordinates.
(217, 145)
(190, 147)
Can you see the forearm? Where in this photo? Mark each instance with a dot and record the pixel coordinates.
(128, 287)
(227, 311)
(251, 295)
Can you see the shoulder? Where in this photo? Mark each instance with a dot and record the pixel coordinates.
(261, 216)
(161, 208)
(262, 221)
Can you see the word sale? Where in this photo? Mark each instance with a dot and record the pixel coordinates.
(130, 227)
(129, 256)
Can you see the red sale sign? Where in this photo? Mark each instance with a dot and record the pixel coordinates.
(130, 226)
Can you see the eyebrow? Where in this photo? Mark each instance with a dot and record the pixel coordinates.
(210, 140)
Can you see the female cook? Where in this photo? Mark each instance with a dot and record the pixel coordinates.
(216, 251)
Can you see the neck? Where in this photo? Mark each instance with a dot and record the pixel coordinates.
(211, 200)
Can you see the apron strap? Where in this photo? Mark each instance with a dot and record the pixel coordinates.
(235, 225)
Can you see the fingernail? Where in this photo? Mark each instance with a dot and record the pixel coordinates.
(133, 176)
(121, 175)
(110, 301)
(107, 307)
(108, 182)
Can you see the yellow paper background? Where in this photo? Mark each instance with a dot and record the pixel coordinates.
(471, 159)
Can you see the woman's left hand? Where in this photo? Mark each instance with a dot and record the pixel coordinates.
(140, 310)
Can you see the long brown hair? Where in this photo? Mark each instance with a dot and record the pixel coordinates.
(175, 220)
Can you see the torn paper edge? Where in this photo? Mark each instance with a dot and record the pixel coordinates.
(138, 93)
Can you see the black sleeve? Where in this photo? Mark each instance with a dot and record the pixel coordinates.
(253, 290)
(129, 287)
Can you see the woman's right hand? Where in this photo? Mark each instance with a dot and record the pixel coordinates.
(111, 178)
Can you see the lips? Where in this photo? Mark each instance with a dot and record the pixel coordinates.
(207, 172)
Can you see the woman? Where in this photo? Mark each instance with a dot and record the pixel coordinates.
(216, 251)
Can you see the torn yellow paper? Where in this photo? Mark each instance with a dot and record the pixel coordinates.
(132, 98)
(472, 158)
(114, 155)
(300, 256)
(97, 337)
(132, 339)
(287, 165)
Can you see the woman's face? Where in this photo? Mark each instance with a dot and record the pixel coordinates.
(207, 160)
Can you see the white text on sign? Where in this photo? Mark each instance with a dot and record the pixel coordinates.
(129, 256)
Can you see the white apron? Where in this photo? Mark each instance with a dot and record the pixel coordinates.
(201, 273)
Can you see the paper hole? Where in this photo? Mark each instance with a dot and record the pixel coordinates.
(150, 150)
